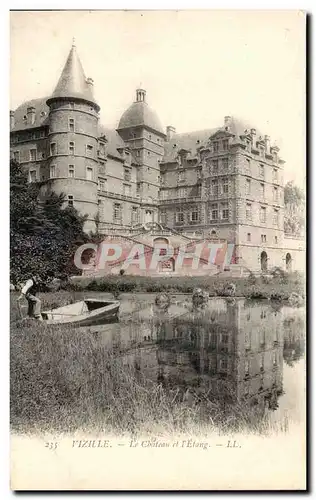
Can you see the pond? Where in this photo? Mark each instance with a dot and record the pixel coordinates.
(234, 350)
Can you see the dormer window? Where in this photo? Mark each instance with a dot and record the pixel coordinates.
(25, 118)
(174, 146)
(215, 147)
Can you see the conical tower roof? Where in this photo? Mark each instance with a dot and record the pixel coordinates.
(73, 82)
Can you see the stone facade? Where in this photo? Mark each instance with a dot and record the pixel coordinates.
(226, 183)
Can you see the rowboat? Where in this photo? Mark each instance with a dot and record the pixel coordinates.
(84, 313)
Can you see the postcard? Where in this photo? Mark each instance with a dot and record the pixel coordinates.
(157, 250)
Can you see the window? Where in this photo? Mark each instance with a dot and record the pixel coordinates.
(225, 144)
(195, 215)
(223, 364)
(262, 362)
(274, 359)
(248, 236)
(32, 175)
(163, 194)
(179, 218)
(126, 189)
(275, 194)
(71, 148)
(89, 150)
(246, 389)
(70, 200)
(224, 338)
(101, 184)
(52, 171)
(182, 192)
(42, 134)
(247, 367)
(247, 166)
(71, 124)
(225, 185)
(263, 238)
(225, 211)
(214, 211)
(89, 173)
(32, 154)
(181, 176)
(72, 105)
(117, 212)
(275, 174)
(261, 170)
(248, 211)
(215, 167)
(261, 150)
(138, 188)
(248, 186)
(101, 149)
(53, 149)
(102, 167)
(215, 147)
(215, 188)
(163, 217)
(225, 163)
(275, 217)
(101, 208)
(262, 192)
(276, 240)
(16, 156)
(263, 215)
(71, 171)
(127, 174)
(135, 213)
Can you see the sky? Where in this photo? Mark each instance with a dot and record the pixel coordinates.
(196, 66)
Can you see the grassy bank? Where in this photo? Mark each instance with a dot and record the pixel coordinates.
(67, 378)
(278, 287)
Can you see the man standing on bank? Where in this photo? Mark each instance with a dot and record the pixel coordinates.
(29, 291)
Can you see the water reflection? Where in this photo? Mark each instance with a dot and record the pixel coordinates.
(232, 351)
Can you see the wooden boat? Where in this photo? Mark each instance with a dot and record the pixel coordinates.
(84, 313)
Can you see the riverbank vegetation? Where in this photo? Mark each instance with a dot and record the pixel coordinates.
(70, 378)
(277, 287)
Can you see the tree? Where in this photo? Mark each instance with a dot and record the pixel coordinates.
(43, 235)
(294, 206)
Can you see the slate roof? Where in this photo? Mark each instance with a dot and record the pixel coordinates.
(187, 141)
(140, 114)
(72, 81)
(41, 114)
(114, 141)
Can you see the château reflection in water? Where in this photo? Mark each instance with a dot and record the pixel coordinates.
(233, 350)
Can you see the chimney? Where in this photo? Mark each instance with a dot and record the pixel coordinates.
(227, 122)
(140, 95)
(253, 133)
(30, 115)
(11, 120)
(267, 143)
(170, 132)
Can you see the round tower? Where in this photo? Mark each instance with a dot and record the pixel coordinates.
(72, 139)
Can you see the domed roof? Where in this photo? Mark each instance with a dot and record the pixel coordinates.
(140, 114)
